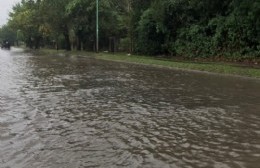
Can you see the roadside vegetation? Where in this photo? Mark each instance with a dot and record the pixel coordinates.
(231, 68)
(220, 30)
(223, 68)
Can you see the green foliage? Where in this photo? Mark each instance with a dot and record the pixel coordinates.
(150, 38)
(187, 28)
(7, 34)
(26, 19)
(206, 28)
(193, 42)
(124, 44)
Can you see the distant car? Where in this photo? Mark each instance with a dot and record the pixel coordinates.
(6, 45)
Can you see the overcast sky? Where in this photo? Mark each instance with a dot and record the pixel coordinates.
(5, 8)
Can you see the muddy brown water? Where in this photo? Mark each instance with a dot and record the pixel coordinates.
(77, 112)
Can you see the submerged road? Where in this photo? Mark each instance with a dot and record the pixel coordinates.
(78, 112)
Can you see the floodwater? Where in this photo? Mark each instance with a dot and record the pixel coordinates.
(78, 112)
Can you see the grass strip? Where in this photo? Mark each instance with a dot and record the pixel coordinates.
(213, 67)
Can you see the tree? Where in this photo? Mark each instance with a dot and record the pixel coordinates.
(7, 34)
(84, 20)
(26, 18)
(54, 14)
(187, 28)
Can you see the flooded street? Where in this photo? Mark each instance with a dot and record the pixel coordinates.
(78, 112)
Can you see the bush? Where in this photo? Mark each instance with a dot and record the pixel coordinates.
(150, 40)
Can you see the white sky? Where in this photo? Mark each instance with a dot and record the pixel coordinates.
(5, 8)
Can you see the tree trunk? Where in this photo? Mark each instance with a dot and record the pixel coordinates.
(37, 42)
(79, 42)
(67, 39)
(79, 35)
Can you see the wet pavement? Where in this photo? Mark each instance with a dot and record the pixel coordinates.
(77, 112)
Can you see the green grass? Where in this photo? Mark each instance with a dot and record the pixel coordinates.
(222, 68)
(214, 67)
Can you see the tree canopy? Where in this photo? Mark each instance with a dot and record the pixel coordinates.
(186, 28)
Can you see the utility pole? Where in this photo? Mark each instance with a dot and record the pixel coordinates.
(97, 31)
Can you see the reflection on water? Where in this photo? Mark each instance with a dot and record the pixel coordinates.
(72, 112)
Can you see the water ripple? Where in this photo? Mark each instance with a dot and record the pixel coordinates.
(80, 112)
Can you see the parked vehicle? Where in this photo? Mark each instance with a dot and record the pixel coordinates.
(6, 45)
